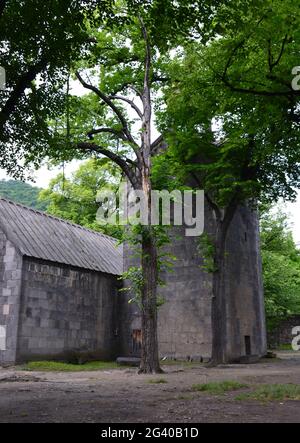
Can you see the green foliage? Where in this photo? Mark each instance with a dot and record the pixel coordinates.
(277, 392)
(37, 67)
(230, 116)
(54, 366)
(134, 275)
(21, 192)
(219, 388)
(206, 249)
(281, 268)
(74, 198)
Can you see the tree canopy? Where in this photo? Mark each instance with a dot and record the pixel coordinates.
(75, 198)
(37, 67)
(281, 268)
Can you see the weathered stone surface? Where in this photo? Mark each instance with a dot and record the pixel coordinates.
(184, 320)
(49, 309)
(76, 310)
(249, 359)
(10, 289)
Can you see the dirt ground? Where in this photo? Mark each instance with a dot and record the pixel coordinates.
(122, 396)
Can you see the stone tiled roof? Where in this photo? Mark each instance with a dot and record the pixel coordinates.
(39, 235)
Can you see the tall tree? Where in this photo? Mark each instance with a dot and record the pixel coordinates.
(126, 68)
(137, 168)
(239, 147)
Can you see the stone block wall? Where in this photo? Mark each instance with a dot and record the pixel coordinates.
(66, 309)
(184, 327)
(245, 302)
(10, 287)
(184, 320)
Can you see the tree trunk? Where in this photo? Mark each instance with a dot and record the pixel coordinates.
(219, 299)
(218, 307)
(150, 358)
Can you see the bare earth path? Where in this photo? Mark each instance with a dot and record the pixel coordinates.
(123, 396)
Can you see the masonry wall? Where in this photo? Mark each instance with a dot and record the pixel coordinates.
(184, 320)
(184, 326)
(10, 287)
(245, 302)
(66, 309)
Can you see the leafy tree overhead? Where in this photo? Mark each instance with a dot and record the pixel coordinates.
(38, 41)
(239, 147)
(131, 61)
(227, 121)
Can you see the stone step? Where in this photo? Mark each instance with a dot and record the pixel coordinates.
(248, 359)
(129, 361)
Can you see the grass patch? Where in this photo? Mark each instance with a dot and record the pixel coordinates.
(285, 347)
(277, 392)
(54, 366)
(157, 381)
(219, 388)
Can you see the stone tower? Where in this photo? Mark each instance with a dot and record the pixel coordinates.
(184, 320)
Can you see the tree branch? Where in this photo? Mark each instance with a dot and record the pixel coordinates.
(272, 63)
(118, 134)
(158, 78)
(121, 162)
(109, 103)
(136, 90)
(147, 58)
(23, 83)
(130, 102)
(262, 92)
(146, 99)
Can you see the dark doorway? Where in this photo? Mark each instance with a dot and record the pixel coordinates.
(136, 342)
(248, 344)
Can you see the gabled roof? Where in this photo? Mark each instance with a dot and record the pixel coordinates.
(39, 235)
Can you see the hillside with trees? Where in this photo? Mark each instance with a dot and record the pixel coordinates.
(21, 192)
